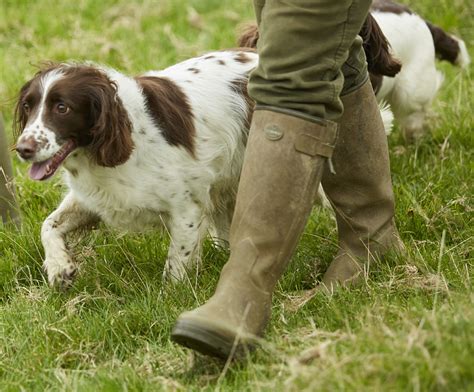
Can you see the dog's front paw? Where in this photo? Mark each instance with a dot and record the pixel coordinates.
(60, 271)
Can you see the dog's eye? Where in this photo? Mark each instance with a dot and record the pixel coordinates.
(61, 108)
(26, 107)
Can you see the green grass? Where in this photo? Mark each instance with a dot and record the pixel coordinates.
(410, 327)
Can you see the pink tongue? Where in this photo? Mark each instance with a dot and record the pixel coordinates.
(38, 170)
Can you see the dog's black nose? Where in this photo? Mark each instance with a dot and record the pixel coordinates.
(27, 148)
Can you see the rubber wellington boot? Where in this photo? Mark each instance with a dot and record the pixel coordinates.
(8, 207)
(283, 165)
(360, 190)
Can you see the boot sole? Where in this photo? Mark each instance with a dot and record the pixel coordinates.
(208, 342)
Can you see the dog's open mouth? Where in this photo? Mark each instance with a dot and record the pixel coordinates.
(43, 170)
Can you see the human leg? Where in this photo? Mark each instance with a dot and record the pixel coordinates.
(296, 87)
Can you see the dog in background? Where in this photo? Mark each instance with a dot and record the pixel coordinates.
(392, 28)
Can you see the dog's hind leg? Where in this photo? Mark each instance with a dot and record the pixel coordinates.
(69, 216)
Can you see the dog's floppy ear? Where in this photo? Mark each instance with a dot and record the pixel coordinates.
(377, 49)
(248, 36)
(111, 131)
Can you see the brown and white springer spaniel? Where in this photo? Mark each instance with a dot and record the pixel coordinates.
(165, 147)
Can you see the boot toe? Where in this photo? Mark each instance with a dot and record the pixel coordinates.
(200, 337)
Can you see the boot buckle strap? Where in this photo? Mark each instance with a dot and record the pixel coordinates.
(312, 145)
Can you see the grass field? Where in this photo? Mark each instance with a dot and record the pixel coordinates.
(410, 327)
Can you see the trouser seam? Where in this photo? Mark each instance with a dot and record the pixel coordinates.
(336, 56)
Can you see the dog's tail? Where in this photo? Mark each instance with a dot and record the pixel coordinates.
(377, 49)
(249, 36)
(448, 47)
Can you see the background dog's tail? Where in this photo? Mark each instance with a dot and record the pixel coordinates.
(449, 47)
(248, 36)
(377, 49)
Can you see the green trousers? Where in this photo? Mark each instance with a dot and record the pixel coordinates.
(310, 55)
(8, 207)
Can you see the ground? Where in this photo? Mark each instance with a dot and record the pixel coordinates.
(409, 327)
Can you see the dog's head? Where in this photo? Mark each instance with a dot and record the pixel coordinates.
(65, 107)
